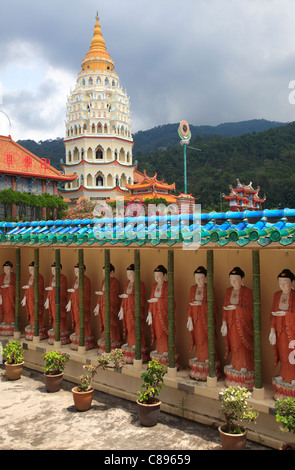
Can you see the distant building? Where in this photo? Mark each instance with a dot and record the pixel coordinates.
(244, 197)
(98, 141)
(23, 171)
(147, 187)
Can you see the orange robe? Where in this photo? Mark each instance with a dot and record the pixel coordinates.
(114, 309)
(159, 311)
(30, 296)
(240, 336)
(285, 332)
(63, 303)
(8, 298)
(199, 334)
(128, 305)
(74, 298)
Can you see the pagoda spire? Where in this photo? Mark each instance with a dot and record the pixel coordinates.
(98, 42)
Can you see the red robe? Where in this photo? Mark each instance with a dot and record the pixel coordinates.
(240, 336)
(159, 311)
(63, 303)
(74, 298)
(114, 309)
(8, 298)
(198, 314)
(128, 305)
(30, 303)
(285, 332)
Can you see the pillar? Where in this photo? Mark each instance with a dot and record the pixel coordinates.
(57, 297)
(171, 328)
(81, 300)
(211, 379)
(36, 295)
(137, 289)
(107, 283)
(17, 293)
(258, 391)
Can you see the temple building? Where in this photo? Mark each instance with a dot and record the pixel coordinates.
(147, 187)
(98, 141)
(23, 171)
(244, 197)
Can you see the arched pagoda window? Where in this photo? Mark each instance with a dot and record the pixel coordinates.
(99, 154)
(99, 180)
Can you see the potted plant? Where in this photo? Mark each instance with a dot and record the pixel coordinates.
(14, 360)
(235, 409)
(83, 393)
(285, 414)
(54, 364)
(148, 403)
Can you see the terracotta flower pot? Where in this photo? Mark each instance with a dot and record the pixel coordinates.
(53, 382)
(232, 441)
(288, 446)
(13, 371)
(148, 413)
(82, 400)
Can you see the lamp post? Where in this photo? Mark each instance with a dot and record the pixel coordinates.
(185, 135)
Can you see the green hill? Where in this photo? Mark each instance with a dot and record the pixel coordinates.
(167, 135)
(229, 151)
(266, 158)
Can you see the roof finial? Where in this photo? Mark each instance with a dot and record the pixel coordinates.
(97, 17)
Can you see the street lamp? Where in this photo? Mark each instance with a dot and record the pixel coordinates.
(185, 135)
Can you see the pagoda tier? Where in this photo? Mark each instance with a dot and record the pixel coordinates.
(88, 162)
(244, 197)
(93, 194)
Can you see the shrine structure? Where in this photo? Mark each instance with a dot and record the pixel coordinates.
(148, 187)
(244, 197)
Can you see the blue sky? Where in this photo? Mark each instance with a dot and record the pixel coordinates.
(205, 61)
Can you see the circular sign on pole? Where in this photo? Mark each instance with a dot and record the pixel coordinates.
(184, 131)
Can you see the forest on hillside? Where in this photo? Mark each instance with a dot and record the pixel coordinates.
(266, 158)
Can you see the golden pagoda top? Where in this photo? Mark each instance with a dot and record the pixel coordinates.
(97, 57)
(98, 42)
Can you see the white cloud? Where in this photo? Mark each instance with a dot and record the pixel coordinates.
(34, 94)
(206, 61)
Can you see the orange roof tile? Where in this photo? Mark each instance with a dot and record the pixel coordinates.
(154, 195)
(16, 160)
(150, 183)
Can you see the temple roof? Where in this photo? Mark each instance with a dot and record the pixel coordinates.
(153, 195)
(247, 229)
(152, 183)
(16, 160)
(242, 192)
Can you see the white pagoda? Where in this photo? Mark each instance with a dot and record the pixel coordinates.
(98, 141)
